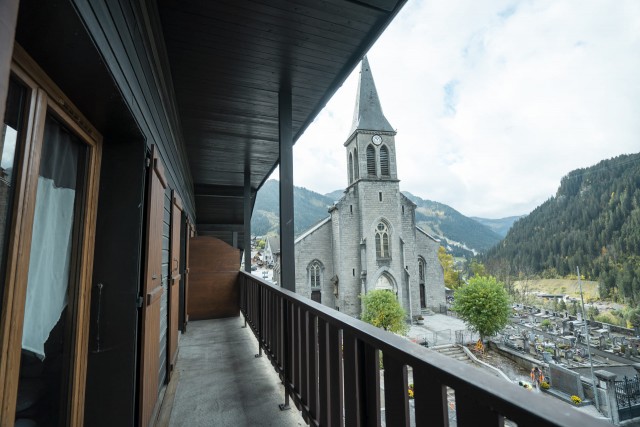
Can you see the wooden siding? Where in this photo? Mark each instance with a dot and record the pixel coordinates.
(213, 273)
(122, 33)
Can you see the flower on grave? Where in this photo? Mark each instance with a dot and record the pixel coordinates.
(545, 385)
(576, 400)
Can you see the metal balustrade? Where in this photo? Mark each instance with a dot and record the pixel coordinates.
(330, 365)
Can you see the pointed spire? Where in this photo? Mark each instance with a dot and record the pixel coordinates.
(368, 112)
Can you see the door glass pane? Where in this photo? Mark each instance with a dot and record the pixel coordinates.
(51, 282)
(11, 134)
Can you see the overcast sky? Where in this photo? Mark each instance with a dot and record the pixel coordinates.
(493, 101)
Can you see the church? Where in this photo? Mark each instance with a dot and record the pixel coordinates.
(370, 239)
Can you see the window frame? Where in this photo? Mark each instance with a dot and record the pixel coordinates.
(315, 270)
(44, 98)
(383, 241)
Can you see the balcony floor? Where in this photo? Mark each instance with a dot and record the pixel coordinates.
(221, 383)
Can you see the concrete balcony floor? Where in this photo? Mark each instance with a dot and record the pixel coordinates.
(220, 382)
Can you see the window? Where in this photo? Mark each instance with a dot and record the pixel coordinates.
(44, 137)
(382, 241)
(350, 168)
(384, 161)
(422, 272)
(380, 195)
(314, 275)
(371, 160)
(356, 172)
(422, 267)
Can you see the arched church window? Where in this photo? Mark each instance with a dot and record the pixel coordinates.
(350, 168)
(382, 241)
(314, 275)
(356, 168)
(384, 161)
(422, 269)
(371, 160)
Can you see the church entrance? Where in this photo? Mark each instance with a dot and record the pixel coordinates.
(315, 296)
(423, 298)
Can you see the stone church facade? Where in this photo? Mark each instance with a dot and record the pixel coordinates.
(370, 240)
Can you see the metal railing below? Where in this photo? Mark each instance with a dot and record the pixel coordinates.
(330, 364)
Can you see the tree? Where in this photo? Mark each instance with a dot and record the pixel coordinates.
(477, 269)
(383, 310)
(483, 304)
(451, 275)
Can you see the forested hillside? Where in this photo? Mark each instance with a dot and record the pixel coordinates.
(309, 207)
(592, 222)
(462, 234)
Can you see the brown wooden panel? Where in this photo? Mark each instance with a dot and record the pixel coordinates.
(152, 289)
(213, 273)
(174, 283)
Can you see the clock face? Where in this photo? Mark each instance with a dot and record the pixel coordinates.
(377, 139)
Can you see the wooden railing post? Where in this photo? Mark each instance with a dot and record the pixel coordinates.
(259, 319)
(286, 336)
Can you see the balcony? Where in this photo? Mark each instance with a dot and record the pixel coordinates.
(330, 365)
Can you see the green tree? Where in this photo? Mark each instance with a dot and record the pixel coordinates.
(477, 269)
(383, 310)
(562, 306)
(483, 304)
(573, 309)
(451, 275)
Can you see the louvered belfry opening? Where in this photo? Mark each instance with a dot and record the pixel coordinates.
(371, 160)
(356, 173)
(350, 168)
(384, 161)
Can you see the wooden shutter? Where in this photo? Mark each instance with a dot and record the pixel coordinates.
(174, 282)
(152, 291)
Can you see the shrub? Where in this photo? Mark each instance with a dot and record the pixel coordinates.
(411, 391)
(576, 400)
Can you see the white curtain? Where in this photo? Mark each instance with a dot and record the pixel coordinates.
(48, 265)
(51, 244)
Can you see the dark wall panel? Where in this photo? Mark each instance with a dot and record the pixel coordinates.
(111, 374)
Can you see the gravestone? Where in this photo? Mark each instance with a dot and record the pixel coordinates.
(566, 380)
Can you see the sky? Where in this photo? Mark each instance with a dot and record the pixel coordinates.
(493, 101)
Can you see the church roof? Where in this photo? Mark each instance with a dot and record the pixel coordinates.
(368, 112)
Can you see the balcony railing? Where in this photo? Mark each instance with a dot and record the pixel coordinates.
(330, 366)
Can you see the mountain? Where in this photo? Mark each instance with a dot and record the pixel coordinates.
(500, 225)
(309, 207)
(462, 236)
(593, 222)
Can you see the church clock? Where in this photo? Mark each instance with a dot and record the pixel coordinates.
(377, 139)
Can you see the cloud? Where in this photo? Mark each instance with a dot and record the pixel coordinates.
(493, 101)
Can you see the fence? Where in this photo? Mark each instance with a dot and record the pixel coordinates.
(628, 398)
(330, 366)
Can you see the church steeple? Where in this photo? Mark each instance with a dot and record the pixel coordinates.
(368, 112)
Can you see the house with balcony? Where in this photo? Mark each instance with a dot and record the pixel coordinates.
(135, 136)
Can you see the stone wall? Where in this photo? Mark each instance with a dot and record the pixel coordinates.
(315, 245)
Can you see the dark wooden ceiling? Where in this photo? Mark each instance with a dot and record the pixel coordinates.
(228, 60)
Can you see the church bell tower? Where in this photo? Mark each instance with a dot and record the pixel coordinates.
(371, 148)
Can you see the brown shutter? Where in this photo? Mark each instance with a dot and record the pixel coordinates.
(151, 292)
(174, 282)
